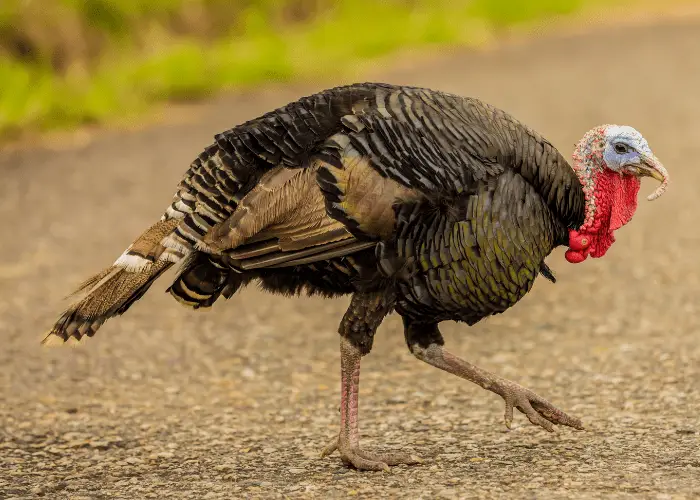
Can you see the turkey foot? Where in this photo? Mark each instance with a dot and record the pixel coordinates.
(366, 460)
(537, 409)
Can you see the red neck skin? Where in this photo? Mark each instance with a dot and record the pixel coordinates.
(614, 204)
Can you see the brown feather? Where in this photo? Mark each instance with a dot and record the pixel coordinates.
(329, 252)
(282, 219)
(105, 299)
(276, 259)
(112, 291)
(148, 244)
(366, 198)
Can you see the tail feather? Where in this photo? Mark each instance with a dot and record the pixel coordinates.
(110, 297)
(201, 282)
(113, 290)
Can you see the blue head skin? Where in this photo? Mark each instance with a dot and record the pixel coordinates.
(627, 152)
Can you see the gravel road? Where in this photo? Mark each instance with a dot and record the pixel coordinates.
(239, 401)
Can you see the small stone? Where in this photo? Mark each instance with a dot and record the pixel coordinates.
(441, 401)
(133, 461)
(296, 470)
(396, 400)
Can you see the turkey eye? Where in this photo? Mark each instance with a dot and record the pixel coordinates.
(620, 148)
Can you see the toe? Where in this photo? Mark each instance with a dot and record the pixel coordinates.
(555, 415)
(538, 419)
(395, 458)
(362, 463)
(366, 460)
(402, 458)
(534, 417)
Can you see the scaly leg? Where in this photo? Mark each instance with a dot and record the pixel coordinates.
(357, 331)
(425, 342)
(348, 442)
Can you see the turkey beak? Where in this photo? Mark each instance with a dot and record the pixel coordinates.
(650, 166)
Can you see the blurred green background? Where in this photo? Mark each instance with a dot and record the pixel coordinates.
(69, 62)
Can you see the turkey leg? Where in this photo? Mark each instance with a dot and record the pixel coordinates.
(348, 441)
(426, 344)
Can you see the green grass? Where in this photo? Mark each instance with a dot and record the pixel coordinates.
(69, 62)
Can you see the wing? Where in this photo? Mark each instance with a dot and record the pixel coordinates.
(378, 146)
(282, 222)
(228, 170)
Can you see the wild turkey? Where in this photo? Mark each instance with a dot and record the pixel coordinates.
(436, 206)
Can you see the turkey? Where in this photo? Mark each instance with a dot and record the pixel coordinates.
(424, 203)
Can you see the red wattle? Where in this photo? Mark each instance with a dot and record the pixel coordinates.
(575, 257)
(624, 200)
(579, 246)
(615, 198)
(578, 241)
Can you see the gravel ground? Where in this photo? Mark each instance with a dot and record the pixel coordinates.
(238, 402)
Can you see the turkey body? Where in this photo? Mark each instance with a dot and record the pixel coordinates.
(436, 206)
(445, 202)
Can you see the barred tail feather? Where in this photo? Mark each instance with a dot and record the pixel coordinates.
(110, 296)
(201, 282)
(113, 290)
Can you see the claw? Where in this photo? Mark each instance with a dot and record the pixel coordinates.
(329, 448)
(509, 414)
(539, 411)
